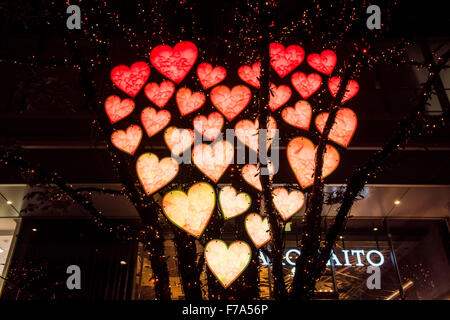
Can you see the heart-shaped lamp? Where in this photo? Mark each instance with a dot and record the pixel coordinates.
(129, 140)
(213, 161)
(343, 128)
(178, 140)
(190, 212)
(247, 132)
(189, 102)
(130, 79)
(287, 203)
(227, 263)
(154, 173)
(160, 94)
(210, 76)
(306, 85)
(230, 102)
(298, 116)
(301, 154)
(284, 60)
(233, 204)
(250, 173)
(251, 74)
(351, 90)
(279, 96)
(323, 62)
(257, 229)
(174, 63)
(117, 109)
(154, 121)
(209, 127)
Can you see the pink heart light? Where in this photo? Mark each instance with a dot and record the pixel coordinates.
(257, 229)
(250, 74)
(298, 116)
(227, 263)
(301, 154)
(178, 140)
(210, 76)
(189, 102)
(233, 204)
(284, 60)
(324, 63)
(154, 121)
(279, 96)
(230, 102)
(190, 212)
(210, 127)
(154, 173)
(247, 132)
(213, 161)
(250, 173)
(343, 128)
(306, 85)
(174, 63)
(159, 94)
(129, 140)
(117, 109)
(350, 91)
(287, 203)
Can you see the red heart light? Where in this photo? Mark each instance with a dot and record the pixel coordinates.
(209, 127)
(174, 63)
(154, 121)
(306, 85)
(129, 140)
(189, 102)
(301, 154)
(351, 90)
(210, 76)
(130, 80)
(284, 60)
(247, 132)
(324, 63)
(230, 102)
(250, 74)
(343, 128)
(298, 116)
(159, 94)
(117, 109)
(279, 96)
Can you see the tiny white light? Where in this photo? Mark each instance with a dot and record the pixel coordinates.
(397, 202)
(9, 202)
(123, 262)
(1, 250)
(34, 229)
(375, 229)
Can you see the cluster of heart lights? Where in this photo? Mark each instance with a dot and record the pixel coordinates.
(192, 211)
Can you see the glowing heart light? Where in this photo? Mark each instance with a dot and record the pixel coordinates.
(210, 76)
(154, 173)
(257, 229)
(251, 74)
(287, 203)
(323, 62)
(247, 132)
(301, 154)
(190, 212)
(233, 204)
(350, 91)
(284, 60)
(174, 63)
(189, 102)
(154, 121)
(213, 161)
(279, 96)
(160, 94)
(130, 79)
(250, 173)
(209, 127)
(306, 85)
(178, 140)
(343, 128)
(298, 116)
(129, 140)
(227, 263)
(117, 109)
(230, 102)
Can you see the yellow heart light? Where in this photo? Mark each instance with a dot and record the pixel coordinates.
(233, 204)
(258, 229)
(227, 262)
(190, 212)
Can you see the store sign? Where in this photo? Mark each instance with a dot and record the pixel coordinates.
(363, 258)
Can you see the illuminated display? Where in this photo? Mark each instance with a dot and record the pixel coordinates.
(250, 74)
(233, 204)
(258, 229)
(209, 127)
(230, 102)
(323, 62)
(247, 132)
(129, 140)
(117, 109)
(298, 116)
(188, 102)
(350, 91)
(287, 203)
(306, 85)
(178, 140)
(161, 93)
(343, 128)
(154, 173)
(213, 161)
(279, 96)
(250, 173)
(284, 60)
(154, 121)
(131, 79)
(210, 76)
